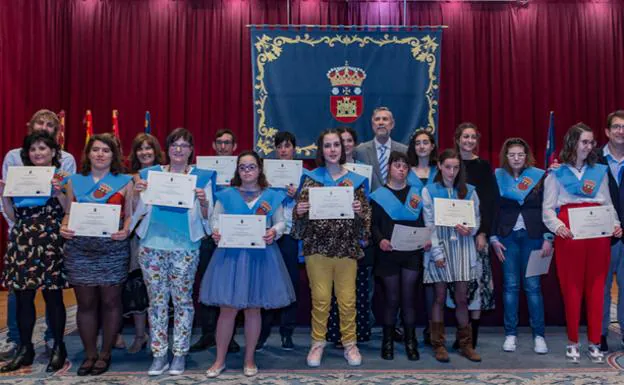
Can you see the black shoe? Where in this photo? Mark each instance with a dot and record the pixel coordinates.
(86, 367)
(604, 346)
(97, 370)
(427, 336)
(387, 343)
(233, 347)
(204, 342)
(260, 345)
(57, 358)
(287, 343)
(24, 357)
(8, 354)
(398, 335)
(411, 345)
(456, 345)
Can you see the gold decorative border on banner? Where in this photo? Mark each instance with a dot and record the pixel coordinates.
(270, 48)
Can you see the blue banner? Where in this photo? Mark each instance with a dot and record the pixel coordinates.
(309, 79)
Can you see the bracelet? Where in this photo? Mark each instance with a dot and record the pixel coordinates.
(549, 237)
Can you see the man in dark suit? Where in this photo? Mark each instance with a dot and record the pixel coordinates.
(612, 154)
(378, 150)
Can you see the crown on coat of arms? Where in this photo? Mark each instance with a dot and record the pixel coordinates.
(346, 76)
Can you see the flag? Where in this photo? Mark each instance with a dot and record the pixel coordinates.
(61, 134)
(550, 156)
(88, 122)
(116, 123)
(148, 122)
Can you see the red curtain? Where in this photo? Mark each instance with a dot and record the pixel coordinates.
(504, 66)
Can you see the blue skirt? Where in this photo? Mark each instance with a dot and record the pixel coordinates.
(245, 278)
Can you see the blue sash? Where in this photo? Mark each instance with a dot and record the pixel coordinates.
(588, 185)
(437, 190)
(173, 215)
(321, 176)
(397, 210)
(518, 190)
(414, 180)
(86, 191)
(233, 202)
(59, 175)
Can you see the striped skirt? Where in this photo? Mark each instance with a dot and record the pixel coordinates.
(460, 256)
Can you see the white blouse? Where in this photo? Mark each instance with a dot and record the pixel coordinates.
(555, 196)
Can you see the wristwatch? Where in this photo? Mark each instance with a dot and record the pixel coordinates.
(549, 237)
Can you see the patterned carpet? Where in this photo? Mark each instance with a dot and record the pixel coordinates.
(497, 369)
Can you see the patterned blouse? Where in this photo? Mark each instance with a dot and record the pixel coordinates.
(338, 238)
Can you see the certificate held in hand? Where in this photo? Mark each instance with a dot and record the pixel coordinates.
(225, 167)
(407, 238)
(365, 170)
(242, 231)
(331, 202)
(452, 212)
(591, 222)
(94, 219)
(28, 181)
(282, 173)
(170, 189)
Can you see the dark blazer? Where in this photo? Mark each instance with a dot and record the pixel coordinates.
(367, 153)
(616, 192)
(507, 212)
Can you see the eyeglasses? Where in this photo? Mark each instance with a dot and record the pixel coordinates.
(247, 167)
(617, 127)
(519, 155)
(181, 146)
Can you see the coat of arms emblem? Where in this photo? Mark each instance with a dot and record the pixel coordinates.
(346, 102)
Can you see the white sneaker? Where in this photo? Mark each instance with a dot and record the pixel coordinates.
(540, 345)
(315, 354)
(572, 353)
(510, 344)
(595, 354)
(352, 354)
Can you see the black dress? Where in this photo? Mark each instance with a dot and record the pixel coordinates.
(481, 290)
(34, 257)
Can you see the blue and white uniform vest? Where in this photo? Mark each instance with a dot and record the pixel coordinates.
(399, 211)
(587, 186)
(88, 191)
(320, 175)
(414, 180)
(518, 189)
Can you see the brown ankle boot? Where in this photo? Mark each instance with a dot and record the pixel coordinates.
(437, 341)
(464, 336)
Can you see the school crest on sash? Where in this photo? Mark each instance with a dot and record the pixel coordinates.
(346, 102)
(347, 182)
(263, 208)
(525, 183)
(102, 190)
(59, 175)
(588, 187)
(414, 201)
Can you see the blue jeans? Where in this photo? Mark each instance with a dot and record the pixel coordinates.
(615, 267)
(519, 246)
(13, 332)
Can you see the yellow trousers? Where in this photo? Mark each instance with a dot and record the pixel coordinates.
(323, 274)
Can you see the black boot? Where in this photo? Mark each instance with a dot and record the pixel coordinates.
(475, 331)
(57, 358)
(427, 336)
(387, 344)
(24, 357)
(411, 344)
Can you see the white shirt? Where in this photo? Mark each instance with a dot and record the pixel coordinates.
(378, 146)
(555, 196)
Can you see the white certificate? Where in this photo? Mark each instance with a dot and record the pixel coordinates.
(94, 219)
(591, 222)
(451, 212)
(331, 202)
(365, 170)
(407, 238)
(282, 173)
(538, 265)
(225, 166)
(169, 189)
(242, 231)
(28, 181)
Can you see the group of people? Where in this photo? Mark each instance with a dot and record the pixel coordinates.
(163, 254)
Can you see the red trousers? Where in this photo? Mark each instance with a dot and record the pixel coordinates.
(582, 266)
